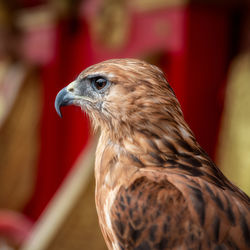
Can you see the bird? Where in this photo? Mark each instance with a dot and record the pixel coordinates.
(156, 188)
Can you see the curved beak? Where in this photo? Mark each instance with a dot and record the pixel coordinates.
(63, 98)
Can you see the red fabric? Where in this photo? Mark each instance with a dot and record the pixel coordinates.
(206, 69)
(62, 140)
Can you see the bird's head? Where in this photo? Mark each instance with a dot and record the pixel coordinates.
(122, 94)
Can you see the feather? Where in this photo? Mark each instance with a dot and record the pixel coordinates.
(156, 188)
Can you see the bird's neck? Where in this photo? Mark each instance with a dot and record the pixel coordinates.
(162, 142)
(153, 145)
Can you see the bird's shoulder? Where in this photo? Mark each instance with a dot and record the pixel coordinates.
(161, 206)
(139, 214)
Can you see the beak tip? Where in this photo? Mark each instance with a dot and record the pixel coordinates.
(58, 111)
(58, 108)
(59, 102)
(63, 98)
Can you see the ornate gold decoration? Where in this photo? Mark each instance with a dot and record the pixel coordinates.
(111, 25)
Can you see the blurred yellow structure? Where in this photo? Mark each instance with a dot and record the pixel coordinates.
(234, 143)
(20, 106)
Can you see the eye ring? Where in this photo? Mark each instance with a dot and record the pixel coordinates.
(99, 83)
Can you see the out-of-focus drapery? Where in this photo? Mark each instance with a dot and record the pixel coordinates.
(61, 139)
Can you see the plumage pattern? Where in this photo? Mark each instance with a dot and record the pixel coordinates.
(156, 188)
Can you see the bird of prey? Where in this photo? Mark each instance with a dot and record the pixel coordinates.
(156, 188)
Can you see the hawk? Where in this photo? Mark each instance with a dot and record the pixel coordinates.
(156, 188)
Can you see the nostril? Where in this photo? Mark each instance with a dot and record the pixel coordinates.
(71, 90)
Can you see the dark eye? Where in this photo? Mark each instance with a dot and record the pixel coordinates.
(99, 83)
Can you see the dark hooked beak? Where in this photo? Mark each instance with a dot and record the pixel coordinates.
(63, 98)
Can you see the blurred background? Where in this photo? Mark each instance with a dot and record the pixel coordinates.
(46, 163)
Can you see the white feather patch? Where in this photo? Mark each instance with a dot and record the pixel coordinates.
(107, 207)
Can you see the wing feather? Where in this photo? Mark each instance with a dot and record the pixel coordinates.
(176, 211)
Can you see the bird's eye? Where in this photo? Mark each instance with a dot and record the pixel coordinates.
(99, 83)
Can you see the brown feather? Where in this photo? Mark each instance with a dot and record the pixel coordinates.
(156, 188)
